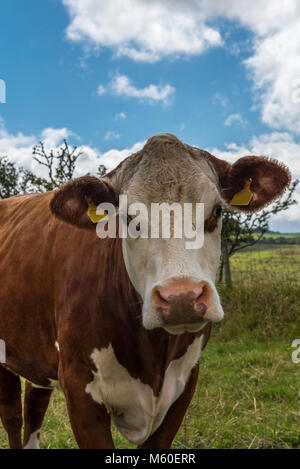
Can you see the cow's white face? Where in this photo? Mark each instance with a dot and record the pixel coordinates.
(170, 278)
(175, 283)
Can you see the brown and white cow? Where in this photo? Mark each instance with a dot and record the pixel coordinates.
(119, 323)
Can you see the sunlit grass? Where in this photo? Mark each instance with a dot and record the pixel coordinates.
(247, 397)
(248, 390)
(275, 264)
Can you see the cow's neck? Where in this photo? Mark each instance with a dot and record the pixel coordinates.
(143, 352)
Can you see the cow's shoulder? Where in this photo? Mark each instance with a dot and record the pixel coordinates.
(27, 206)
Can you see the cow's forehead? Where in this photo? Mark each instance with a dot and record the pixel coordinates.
(167, 170)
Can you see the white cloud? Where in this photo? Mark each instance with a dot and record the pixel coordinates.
(273, 65)
(113, 157)
(2, 91)
(91, 158)
(279, 145)
(53, 137)
(275, 70)
(111, 135)
(223, 100)
(232, 118)
(120, 115)
(150, 31)
(121, 85)
(101, 90)
(18, 148)
(142, 30)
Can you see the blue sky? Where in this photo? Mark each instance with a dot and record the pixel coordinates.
(108, 75)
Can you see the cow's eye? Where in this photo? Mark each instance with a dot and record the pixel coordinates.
(218, 210)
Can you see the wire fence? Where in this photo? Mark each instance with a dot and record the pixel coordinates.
(271, 263)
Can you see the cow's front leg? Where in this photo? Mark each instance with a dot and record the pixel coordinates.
(11, 406)
(89, 420)
(36, 402)
(162, 438)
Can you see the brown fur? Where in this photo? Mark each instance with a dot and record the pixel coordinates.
(269, 179)
(59, 282)
(166, 167)
(35, 405)
(212, 222)
(79, 192)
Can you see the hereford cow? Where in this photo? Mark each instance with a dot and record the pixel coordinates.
(118, 324)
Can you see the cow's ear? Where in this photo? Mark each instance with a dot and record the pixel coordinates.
(252, 182)
(75, 202)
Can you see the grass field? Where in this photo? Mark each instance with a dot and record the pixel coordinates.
(267, 263)
(282, 235)
(248, 395)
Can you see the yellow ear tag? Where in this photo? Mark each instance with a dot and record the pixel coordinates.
(94, 216)
(243, 197)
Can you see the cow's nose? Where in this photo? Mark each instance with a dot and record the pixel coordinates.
(167, 294)
(181, 303)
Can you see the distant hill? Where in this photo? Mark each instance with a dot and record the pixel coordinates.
(272, 237)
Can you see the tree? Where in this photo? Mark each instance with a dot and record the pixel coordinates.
(101, 170)
(243, 230)
(9, 178)
(60, 168)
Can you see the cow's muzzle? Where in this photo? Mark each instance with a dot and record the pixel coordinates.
(181, 303)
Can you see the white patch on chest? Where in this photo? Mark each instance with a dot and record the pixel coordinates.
(134, 408)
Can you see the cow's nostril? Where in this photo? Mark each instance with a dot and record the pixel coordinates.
(203, 298)
(159, 299)
(198, 293)
(162, 297)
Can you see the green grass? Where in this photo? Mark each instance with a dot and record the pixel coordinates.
(295, 236)
(282, 235)
(248, 394)
(270, 264)
(247, 397)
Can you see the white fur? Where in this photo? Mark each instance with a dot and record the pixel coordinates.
(155, 262)
(56, 345)
(135, 410)
(33, 442)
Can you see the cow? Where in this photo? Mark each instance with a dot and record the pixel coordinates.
(118, 323)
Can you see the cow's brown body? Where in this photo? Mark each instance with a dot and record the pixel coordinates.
(61, 283)
(69, 307)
